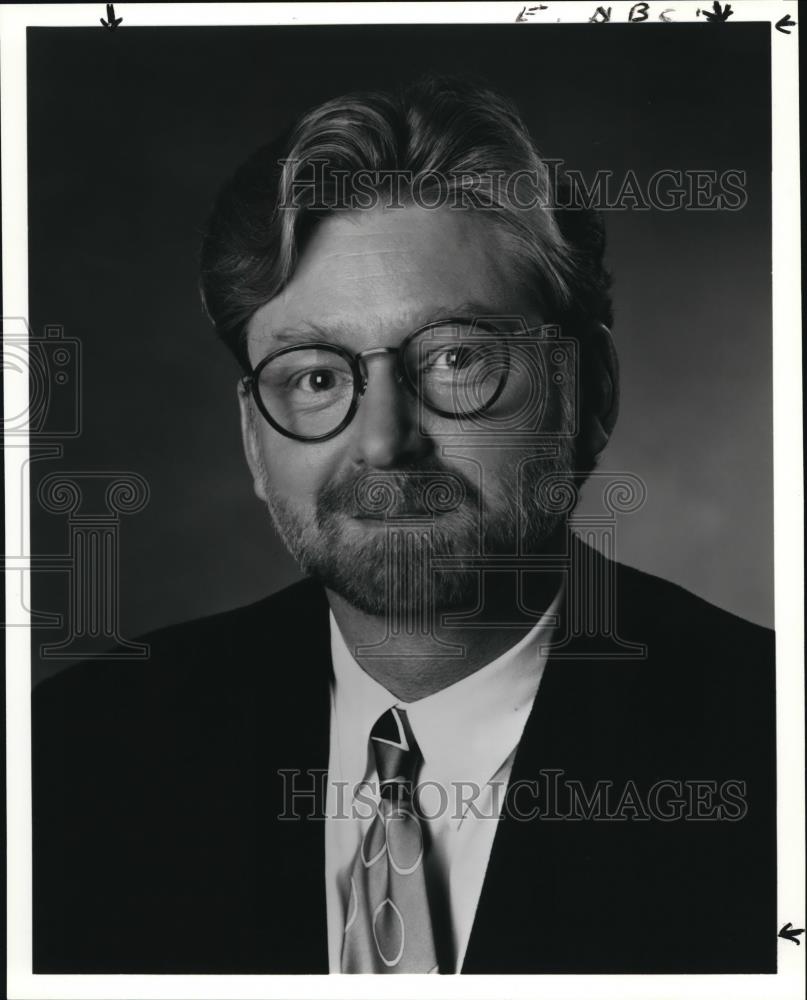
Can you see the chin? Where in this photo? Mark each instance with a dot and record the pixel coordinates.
(418, 607)
(396, 582)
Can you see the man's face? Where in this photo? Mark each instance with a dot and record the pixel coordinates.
(365, 280)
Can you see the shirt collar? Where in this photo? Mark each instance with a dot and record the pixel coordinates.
(465, 731)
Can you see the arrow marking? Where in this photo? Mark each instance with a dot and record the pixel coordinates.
(111, 22)
(719, 14)
(784, 23)
(791, 933)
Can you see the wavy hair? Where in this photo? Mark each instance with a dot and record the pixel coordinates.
(450, 136)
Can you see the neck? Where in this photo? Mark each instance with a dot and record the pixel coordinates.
(413, 665)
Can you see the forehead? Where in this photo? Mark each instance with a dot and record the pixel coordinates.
(381, 273)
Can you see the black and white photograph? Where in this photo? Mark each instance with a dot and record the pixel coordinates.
(403, 480)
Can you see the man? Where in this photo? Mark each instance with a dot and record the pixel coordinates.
(468, 742)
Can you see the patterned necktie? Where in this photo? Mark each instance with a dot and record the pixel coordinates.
(388, 926)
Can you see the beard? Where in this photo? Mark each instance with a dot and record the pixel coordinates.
(409, 543)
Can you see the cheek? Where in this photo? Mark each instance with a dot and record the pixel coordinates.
(487, 469)
(499, 475)
(499, 472)
(296, 471)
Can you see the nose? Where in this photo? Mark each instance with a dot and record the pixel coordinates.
(385, 428)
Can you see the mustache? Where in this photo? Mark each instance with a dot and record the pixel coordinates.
(417, 490)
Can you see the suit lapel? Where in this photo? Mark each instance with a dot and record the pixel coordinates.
(542, 870)
(292, 726)
(515, 927)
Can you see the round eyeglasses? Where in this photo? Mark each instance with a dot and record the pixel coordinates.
(310, 392)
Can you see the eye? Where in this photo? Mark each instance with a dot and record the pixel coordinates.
(318, 380)
(450, 358)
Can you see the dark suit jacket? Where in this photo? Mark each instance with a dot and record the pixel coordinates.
(158, 848)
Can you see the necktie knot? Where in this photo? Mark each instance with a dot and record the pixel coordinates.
(397, 755)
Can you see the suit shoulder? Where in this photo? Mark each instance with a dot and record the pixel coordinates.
(193, 650)
(287, 610)
(664, 609)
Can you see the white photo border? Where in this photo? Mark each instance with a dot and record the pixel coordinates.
(788, 982)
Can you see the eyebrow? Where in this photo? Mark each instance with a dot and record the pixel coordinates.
(340, 332)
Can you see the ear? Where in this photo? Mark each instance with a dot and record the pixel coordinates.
(600, 390)
(249, 437)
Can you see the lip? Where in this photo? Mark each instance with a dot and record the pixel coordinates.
(368, 525)
(395, 515)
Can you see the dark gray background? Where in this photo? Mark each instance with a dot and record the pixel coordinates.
(131, 133)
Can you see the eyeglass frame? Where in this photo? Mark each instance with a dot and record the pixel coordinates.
(250, 382)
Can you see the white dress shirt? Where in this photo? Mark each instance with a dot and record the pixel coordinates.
(467, 732)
